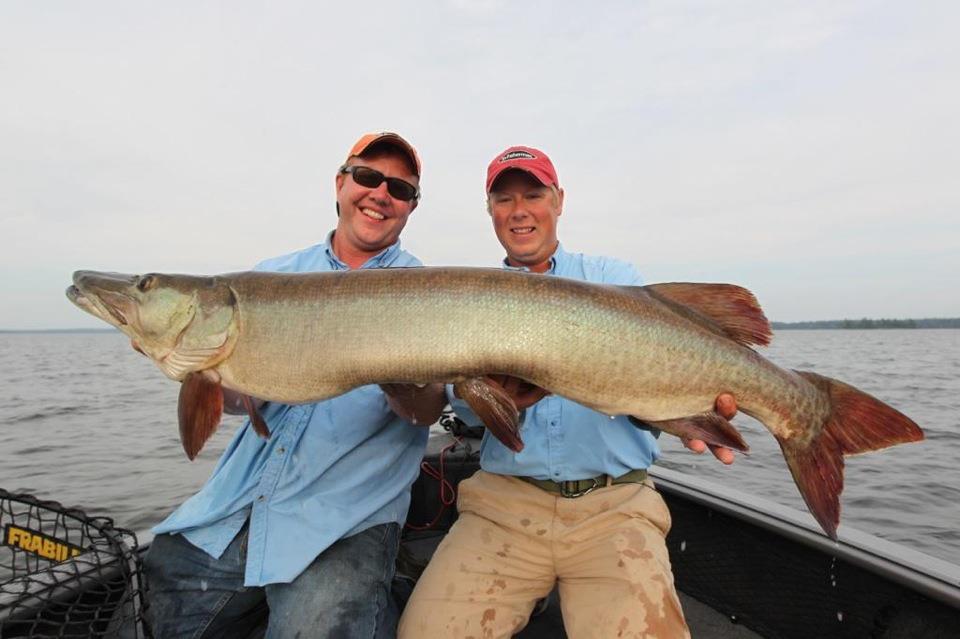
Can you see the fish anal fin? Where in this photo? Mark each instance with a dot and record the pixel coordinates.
(199, 408)
(709, 427)
(259, 426)
(728, 309)
(495, 408)
(857, 423)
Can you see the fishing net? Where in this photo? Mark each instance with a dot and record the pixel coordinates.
(66, 574)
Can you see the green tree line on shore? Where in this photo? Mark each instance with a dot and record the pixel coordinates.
(948, 322)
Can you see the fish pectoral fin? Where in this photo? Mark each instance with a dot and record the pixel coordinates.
(495, 408)
(198, 411)
(259, 426)
(726, 309)
(709, 427)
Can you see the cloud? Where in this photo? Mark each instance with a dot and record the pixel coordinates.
(803, 149)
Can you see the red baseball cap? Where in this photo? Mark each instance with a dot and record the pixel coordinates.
(368, 139)
(526, 158)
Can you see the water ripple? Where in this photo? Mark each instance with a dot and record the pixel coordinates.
(86, 421)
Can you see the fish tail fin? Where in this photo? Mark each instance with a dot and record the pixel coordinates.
(199, 408)
(857, 423)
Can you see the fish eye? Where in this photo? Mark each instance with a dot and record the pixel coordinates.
(146, 282)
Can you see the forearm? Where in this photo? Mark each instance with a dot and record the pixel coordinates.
(421, 406)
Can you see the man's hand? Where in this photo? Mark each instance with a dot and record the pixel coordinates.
(524, 394)
(726, 407)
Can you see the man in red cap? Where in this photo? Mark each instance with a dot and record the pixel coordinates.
(308, 521)
(575, 507)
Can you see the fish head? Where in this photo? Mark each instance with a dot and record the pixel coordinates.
(184, 323)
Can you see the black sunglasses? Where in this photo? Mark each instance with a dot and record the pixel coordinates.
(372, 178)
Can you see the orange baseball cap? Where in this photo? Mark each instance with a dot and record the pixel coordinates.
(526, 158)
(386, 136)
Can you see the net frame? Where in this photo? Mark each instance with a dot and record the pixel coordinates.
(64, 573)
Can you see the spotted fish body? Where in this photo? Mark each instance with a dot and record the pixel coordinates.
(661, 354)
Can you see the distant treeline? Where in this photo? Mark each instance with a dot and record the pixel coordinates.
(949, 322)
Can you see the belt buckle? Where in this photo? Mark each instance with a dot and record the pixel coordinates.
(571, 494)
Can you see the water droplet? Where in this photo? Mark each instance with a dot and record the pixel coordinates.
(203, 585)
(613, 417)
(683, 545)
(839, 616)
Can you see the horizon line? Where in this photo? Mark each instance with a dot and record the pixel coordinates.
(110, 329)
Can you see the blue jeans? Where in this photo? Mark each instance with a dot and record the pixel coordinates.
(345, 592)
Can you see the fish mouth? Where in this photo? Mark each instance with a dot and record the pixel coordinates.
(103, 295)
(85, 303)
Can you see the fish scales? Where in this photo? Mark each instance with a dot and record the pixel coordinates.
(661, 353)
(608, 349)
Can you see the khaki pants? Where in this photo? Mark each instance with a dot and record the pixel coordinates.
(513, 541)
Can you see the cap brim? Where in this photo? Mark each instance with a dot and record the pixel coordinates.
(368, 140)
(541, 176)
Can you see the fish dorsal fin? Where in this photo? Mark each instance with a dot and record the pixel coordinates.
(726, 309)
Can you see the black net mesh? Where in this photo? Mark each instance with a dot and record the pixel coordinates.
(66, 574)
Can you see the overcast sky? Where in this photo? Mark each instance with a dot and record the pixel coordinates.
(809, 151)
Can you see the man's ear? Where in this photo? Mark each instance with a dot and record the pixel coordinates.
(414, 206)
(559, 202)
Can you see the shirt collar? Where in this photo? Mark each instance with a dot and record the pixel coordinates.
(557, 256)
(383, 258)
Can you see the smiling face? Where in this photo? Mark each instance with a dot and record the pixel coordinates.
(370, 218)
(524, 214)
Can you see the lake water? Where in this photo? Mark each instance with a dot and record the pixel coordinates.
(86, 421)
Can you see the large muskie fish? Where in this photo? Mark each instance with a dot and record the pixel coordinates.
(660, 354)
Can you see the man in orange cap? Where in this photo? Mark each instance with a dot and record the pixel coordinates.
(308, 521)
(575, 507)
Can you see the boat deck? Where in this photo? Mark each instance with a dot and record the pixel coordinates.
(704, 621)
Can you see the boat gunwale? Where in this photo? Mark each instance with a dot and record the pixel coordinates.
(915, 570)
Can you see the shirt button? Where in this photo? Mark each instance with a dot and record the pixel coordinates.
(281, 450)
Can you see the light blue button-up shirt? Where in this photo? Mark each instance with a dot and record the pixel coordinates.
(329, 470)
(563, 440)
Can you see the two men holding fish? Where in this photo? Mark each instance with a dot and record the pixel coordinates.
(305, 505)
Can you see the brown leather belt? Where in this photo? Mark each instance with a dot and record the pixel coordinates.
(580, 487)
